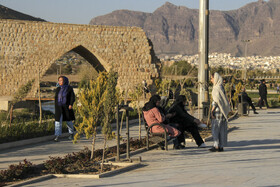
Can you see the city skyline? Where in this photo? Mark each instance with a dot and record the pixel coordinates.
(68, 11)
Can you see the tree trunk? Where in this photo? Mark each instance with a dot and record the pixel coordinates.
(93, 143)
(121, 122)
(40, 103)
(139, 118)
(103, 155)
(11, 114)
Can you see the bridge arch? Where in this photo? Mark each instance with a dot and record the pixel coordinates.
(97, 62)
(27, 47)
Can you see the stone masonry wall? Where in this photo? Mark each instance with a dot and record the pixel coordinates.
(28, 47)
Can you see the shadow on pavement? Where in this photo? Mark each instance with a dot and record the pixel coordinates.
(253, 142)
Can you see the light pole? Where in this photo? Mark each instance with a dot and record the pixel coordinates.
(203, 71)
(244, 67)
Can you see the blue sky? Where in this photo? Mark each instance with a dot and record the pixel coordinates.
(82, 11)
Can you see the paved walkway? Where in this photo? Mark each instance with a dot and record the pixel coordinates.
(252, 158)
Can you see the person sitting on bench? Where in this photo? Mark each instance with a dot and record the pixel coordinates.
(186, 121)
(247, 99)
(153, 115)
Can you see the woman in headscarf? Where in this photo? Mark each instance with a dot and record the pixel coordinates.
(64, 100)
(219, 112)
(186, 122)
(153, 115)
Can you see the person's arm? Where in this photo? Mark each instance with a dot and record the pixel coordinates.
(72, 98)
(56, 95)
(160, 118)
(170, 115)
(181, 113)
(214, 106)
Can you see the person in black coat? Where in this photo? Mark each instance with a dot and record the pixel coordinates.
(186, 121)
(64, 100)
(263, 94)
(248, 100)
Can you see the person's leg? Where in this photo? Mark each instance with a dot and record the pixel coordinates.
(233, 104)
(173, 132)
(251, 104)
(223, 134)
(260, 104)
(266, 103)
(70, 126)
(58, 128)
(193, 129)
(181, 137)
(215, 134)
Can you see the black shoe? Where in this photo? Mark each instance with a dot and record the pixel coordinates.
(161, 145)
(176, 144)
(255, 112)
(220, 149)
(213, 149)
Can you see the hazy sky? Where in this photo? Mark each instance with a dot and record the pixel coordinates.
(82, 11)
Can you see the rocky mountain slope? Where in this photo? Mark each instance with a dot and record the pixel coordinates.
(174, 29)
(7, 13)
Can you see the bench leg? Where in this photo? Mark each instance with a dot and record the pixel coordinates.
(147, 142)
(166, 145)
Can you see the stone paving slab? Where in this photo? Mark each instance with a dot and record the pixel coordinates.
(252, 158)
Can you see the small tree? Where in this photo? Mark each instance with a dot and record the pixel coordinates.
(238, 90)
(110, 101)
(19, 96)
(135, 97)
(90, 108)
(163, 86)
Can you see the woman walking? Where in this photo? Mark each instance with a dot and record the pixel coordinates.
(64, 100)
(219, 112)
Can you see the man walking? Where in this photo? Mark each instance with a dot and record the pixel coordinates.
(263, 94)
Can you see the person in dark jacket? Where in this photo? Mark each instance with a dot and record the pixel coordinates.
(248, 100)
(232, 95)
(186, 121)
(263, 94)
(64, 100)
(153, 114)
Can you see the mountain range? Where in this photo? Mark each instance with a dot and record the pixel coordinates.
(174, 29)
(7, 13)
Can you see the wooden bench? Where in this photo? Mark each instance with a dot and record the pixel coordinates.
(155, 137)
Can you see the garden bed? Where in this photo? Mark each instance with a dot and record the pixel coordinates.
(76, 163)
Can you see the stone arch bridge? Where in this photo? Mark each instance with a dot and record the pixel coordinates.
(27, 47)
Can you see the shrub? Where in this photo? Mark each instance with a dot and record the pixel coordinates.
(76, 160)
(273, 103)
(23, 130)
(15, 172)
